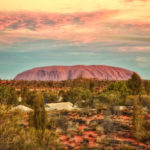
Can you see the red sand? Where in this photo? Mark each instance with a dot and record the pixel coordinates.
(78, 139)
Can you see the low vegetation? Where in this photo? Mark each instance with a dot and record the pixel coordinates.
(112, 115)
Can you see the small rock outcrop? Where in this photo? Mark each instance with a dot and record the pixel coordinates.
(59, 106)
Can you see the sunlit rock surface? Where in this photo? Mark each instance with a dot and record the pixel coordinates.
(59, 73)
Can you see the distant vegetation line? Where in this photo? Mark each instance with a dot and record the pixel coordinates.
(79, 82)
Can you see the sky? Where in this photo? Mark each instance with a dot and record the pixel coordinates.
(72, 32)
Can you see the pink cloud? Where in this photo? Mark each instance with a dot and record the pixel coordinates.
(36, 21)
(75, 27)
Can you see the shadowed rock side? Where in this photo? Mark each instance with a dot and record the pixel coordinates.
(58, 73)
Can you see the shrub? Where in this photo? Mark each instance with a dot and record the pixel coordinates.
(138, 131)
(111, 98)
(39, 117)
(8, 95)
(14, 136)
(145, 100)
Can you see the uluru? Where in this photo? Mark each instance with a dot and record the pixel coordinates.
(59, 73)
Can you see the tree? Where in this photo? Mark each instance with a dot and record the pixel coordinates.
(119, 87)
(25, 94)
(117, 92)
(111, 98)
(138, 120)
(147, 87)
(64, 95)
(39, 112)
(91, 86)
(14, 96)
(4, 94)
(8, 95)
(75, 95)
(80, 97)
(87, 96)
(51, 96)
(135, 84)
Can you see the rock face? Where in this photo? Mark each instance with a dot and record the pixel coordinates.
(59, 73)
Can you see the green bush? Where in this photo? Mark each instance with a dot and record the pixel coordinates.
(8, 95)
(111, 98)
